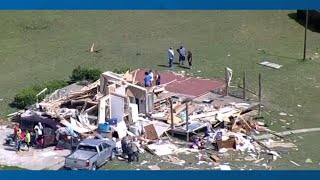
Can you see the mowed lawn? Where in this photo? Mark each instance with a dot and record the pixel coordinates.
(38, 46)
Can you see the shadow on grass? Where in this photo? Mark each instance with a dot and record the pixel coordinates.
(161, 65)
(183, 67)
(13, 105)
(179, 66)
(313, 26)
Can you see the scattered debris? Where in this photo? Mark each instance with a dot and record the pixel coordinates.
(177, 161)
(201, 162)
(282, 120)
(309, 161)
(282, 114)
(154, 167)
(143, 162)
(295, 163)
(224, 167)
(272, 65)
(300, 137)
(118, 107)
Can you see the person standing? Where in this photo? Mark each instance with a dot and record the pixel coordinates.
(124, 147)
(171, 57)
(147, 79)
(28, 139)
(158, 78)
(18, 139)
(15, 131)
(130, 153)
(189, 57)
(39, 135)
(135, 149)
(182, 55)
(151, 77)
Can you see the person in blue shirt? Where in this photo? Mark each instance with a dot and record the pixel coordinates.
(147, 80)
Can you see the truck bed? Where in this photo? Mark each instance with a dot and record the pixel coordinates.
(82, 155)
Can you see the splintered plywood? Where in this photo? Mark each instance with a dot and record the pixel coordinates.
(272, 65)
(151, 132)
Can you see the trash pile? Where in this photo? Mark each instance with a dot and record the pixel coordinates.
(117, 107)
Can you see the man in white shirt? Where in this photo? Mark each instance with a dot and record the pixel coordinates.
(171, 57)
(151, 77)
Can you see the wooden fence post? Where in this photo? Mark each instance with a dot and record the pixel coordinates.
(244, 85)
(260, 94)
(227, 82)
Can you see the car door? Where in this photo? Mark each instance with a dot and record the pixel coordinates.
(102, 155)
(107, 149)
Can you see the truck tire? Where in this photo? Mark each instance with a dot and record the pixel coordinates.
(94, 167)
(113, 155)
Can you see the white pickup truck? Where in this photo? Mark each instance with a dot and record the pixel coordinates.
(91, 154)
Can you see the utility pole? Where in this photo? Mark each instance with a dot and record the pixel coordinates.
(305, 35)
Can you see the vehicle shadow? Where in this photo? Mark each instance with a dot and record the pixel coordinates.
(312, 25)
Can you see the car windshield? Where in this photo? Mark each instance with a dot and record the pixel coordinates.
(87, 148)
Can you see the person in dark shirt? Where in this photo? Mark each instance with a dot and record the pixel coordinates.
(158, 78)
(182, 55)
(135, 149)
(189, 57)
(130, 153)
(124, 147)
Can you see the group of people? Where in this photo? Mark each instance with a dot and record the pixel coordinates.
(20, 137)
(149, 78)
(183, 55)
(24, 137)
(130, 148)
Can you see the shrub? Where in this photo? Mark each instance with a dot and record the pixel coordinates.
(121, 70)
(54, 85)
(28, 96)
(85, 74)
(24, 98)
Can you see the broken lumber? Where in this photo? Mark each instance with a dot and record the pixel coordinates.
(270, 64)
(198, 116)
(179, 108)
(286, 133)
(92, 48)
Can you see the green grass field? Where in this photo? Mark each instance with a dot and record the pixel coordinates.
(10, 168)
(39, 46)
